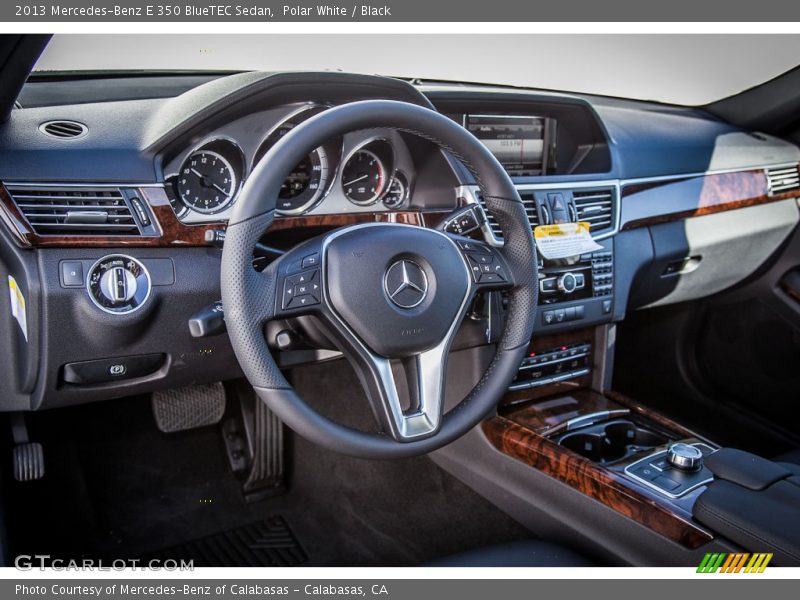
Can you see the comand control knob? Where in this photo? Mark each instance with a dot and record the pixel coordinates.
(567, 283)
(118, 284)
(685, 457)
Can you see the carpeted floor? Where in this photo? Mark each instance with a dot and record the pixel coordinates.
(117, 487)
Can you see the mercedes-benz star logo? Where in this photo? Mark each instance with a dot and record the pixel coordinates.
(405, 283)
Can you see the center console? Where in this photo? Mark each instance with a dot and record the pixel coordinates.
(559, 418)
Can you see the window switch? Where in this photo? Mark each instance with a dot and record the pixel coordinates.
(72, 273)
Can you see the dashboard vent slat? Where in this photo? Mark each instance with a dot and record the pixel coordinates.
(528, 200)
(595, 207)
(74, 210)
(783, 179)
(64, 130)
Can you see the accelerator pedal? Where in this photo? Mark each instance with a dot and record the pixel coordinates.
(188, 407)
(254, 440)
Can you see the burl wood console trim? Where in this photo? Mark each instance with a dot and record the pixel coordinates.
(516, 434)
(176, 233)
(655, 202)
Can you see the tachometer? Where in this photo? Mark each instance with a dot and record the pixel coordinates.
(207, 182)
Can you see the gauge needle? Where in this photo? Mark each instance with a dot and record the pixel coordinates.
(356, 180)
(204, 178)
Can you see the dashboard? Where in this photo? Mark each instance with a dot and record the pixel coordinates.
(360, 172)
(680, 204)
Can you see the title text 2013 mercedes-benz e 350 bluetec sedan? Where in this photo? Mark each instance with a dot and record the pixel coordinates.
(320, 318)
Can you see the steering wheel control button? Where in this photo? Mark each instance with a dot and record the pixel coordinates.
(112, 369)
(118, 284)
(405, 283)
(312, 260)
(72, 273)
(301, 290)
(472, 246)
(685, 457)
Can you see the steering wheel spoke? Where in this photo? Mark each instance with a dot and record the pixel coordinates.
(407, 394)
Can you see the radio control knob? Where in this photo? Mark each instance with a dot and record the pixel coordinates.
(567, 283)
(685, 457)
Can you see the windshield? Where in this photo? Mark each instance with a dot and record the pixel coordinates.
(679, 69)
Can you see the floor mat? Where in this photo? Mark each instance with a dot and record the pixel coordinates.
(117, 487)
(269, 543)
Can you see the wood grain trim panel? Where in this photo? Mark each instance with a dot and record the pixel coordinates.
(175, 233)
(603, 485)
(652, 203)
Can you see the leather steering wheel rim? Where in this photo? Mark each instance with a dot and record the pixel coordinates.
(247, 295)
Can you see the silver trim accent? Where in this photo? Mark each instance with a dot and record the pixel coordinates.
(654, 178)
(585, 420)
(431, 365)
(324, 190)
(118, 312)
(468, 192)
(72, 184)
(84, 129)
(388, 172)
(684, 456)
(652, 486)
(236, 184)
(554, 361)
(406, 283)
(525, 385)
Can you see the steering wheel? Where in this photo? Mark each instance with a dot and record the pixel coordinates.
(386, 292)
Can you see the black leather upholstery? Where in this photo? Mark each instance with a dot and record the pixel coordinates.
(745, 469)
(532, 553)
(790, 460)
(753, 502)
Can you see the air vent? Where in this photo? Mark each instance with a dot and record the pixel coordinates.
(596, 207)
(783, 179)
(78, 210)
(64, 130)
(528, 200)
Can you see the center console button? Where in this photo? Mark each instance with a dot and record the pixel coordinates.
(72, 273)
(665, 483)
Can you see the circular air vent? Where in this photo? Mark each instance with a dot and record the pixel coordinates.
(63, 130)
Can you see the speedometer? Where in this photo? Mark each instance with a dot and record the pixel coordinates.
(207, 182)
(306, 184)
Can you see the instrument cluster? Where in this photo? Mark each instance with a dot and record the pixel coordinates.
(361, 171)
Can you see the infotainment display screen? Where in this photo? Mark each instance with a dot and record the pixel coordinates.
(519, 142)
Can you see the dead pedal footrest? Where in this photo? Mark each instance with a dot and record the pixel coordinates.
(188, 407)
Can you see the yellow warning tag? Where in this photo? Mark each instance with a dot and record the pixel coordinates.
(563, 240)
(18, 305)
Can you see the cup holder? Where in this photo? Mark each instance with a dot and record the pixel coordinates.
(610, 442)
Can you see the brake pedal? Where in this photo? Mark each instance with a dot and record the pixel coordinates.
(28, 456)
(188, 407)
